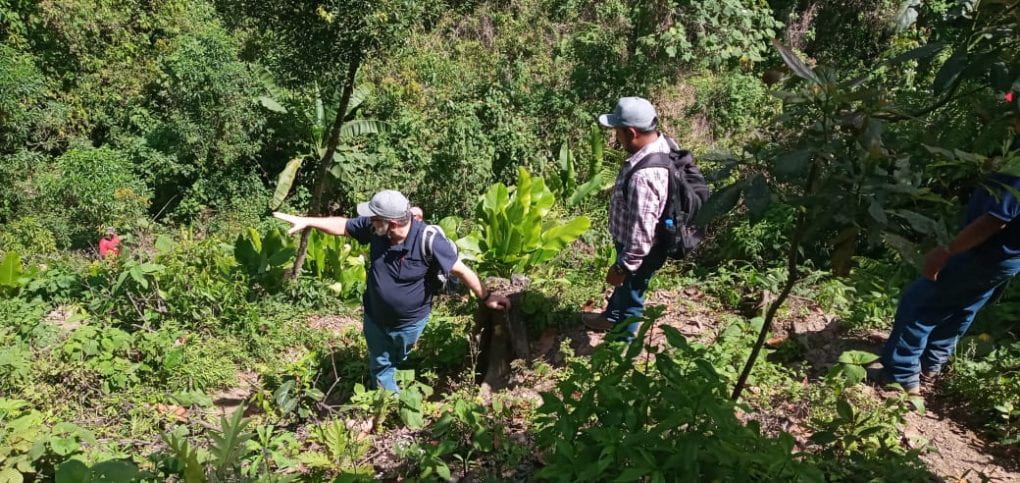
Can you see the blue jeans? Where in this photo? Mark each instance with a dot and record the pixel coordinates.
(388, 347)
(628, 300)
(933, 315)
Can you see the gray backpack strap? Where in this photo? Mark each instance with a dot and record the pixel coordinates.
(429, 234)
(429, 237)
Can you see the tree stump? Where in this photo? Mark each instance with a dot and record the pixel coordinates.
(502, 336)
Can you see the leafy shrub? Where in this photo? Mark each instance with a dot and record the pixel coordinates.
(294, 389)
(21, 316)
(340, 259)
(264, 258)
(717, 33)
(29, 447)
(204, 123)
(733, 102)
(857, 435)
(22, 171)
(984, 379)
(237, 197)
(759, 242)
(515, 232)
(58, 283)
(730, 349)
(107, 352)
(27, 235)
(341, 451)
(125, 290)
(95, 188)
(21, 329)
(740, 284)
(200, 287)
(23, 90)
(469, 431)
(616, 418)
(876, 287)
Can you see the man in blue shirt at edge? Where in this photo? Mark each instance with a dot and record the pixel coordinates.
(397, 301)
(957, 280)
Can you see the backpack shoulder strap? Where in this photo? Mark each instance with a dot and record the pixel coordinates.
(654, 160)
(428, 241)
(428, 238)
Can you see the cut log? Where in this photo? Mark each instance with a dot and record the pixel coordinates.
(502, 336)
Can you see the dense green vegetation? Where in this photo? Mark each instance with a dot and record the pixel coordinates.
(840, 140)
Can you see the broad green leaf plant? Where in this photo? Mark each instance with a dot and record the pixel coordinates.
(566, 182)
(516, 230)
(12, 275)
(264, 258)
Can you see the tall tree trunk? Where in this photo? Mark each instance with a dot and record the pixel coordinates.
(322, 170)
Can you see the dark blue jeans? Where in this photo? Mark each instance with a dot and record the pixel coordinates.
(628, 300)
(388, 347)
(933, 315)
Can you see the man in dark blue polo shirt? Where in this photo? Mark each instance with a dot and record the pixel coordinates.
(957, 280)
(397, 301)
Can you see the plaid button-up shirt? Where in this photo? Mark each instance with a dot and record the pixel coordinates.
(632, 221)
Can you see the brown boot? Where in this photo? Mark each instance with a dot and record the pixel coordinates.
(596, 322)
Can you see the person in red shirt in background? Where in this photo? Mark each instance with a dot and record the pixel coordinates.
(109, 244)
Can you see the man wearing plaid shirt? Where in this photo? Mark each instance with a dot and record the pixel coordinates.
(634, 212)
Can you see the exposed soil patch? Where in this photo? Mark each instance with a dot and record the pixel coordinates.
(226, 401)
(334, 323)
(63, 319)
(958, 453)
(684, 311)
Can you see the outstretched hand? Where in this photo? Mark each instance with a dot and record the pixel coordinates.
(298, 223)
(497, 302)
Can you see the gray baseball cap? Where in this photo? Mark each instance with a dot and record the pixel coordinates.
(385, 204)
(635, 112)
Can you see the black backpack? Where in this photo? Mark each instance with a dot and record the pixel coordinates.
(676, 231)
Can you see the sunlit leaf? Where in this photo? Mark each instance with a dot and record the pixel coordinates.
(795, 64)
(272, 105)
(284, 182)
(859, 358)
(906, 16)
